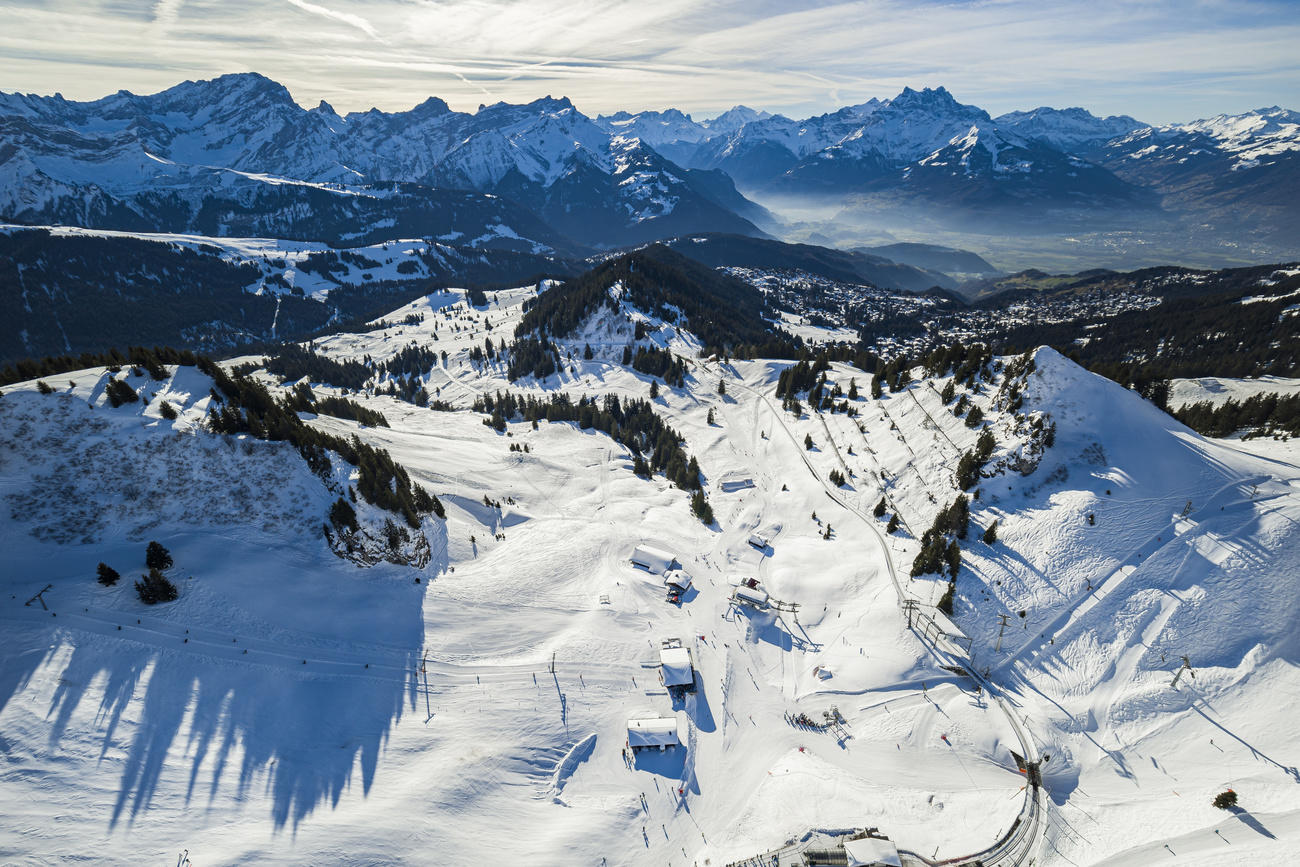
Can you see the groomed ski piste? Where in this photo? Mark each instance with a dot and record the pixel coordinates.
(292, 707)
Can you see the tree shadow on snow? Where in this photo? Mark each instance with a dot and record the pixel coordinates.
(1251, 822)
(253, 713)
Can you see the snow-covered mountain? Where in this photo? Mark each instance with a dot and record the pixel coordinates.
(1230, 169)
(988, 167)
(236, 155)
(1073, 130)
(236, 136)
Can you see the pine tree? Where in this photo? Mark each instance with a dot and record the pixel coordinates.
(343, 516)
(701, 508)
(44, 387)
(157, 557)
(893, 524)
(952, 555)
(710, 416)
(106, 574)
(991, 534)
(975, 417)
(587, 353)
(154, 588)
(949, 391)
(654, 389)
(853, 389)
(945, 601)
(167, 411)
(967, 471)
(722, 387)
(808, 442)
(1226, 799)
(880, 508)
(876, 390)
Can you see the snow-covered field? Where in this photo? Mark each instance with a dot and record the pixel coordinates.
(292, 707)
(1219, 389)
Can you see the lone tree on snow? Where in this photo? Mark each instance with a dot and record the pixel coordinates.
(991, 534)
(1225, 800)
(157, 557)
(106, 574)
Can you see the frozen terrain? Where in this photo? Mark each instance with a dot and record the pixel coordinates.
(292, 707)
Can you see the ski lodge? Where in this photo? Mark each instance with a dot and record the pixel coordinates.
(661, 732)
(676, 579)
(652, 559)
(757, 541)
(676, 669)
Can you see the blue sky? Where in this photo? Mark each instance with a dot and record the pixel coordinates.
(1157, 60)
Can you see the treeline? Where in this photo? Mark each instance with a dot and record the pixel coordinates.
(655, 446)
(725, 313)
(247, 407)
(658, 362)
(302, 399)
(531, 356)
(292, 362)
(1258, 415)
(1184, 337)
(151, 360)
(940, 550)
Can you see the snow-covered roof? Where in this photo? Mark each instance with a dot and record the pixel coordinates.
(871, 851)
(654, 559)
(758, 541)
(755, 595)
(677, 578)
(676, 662)
(658, 732)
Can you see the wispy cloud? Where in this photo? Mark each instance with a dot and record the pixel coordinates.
(343, 17)
(1159, 60)
(165, 13)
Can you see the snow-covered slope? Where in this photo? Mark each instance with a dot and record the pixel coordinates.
(1072, 130)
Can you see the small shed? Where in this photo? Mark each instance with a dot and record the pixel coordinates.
(872, 852)
(661, 732)
(675, 665)
(652, 559)
(677, 579)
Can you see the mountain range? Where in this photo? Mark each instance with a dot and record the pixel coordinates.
(236, 155)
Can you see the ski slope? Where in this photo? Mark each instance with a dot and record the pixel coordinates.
(480, 714)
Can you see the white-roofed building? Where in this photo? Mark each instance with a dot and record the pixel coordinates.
(660, 732)
(652, 559)
(747, 595)
(675, 666)
(677, 578)
(872, 852)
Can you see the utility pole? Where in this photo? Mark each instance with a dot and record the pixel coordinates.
(1186, 666)
(425, 671)
(909, 606)
(1003, 620)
